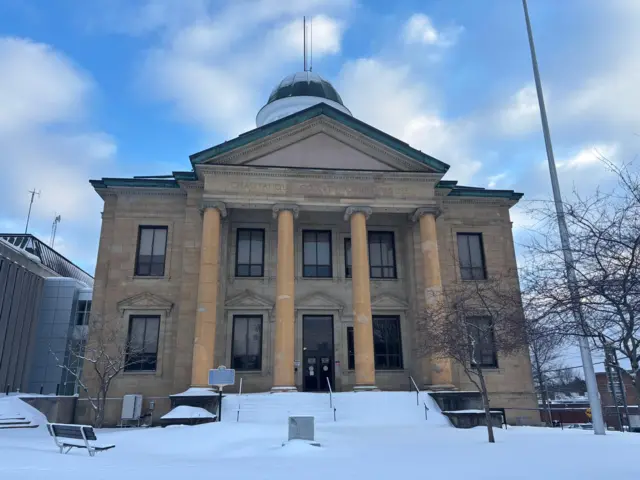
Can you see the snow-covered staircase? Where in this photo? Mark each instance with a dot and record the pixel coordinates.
(14, 413)
(391, 408)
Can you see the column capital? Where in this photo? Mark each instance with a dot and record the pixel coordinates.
(357, 209)
(222, 208)
(280, 207)
(433, 210)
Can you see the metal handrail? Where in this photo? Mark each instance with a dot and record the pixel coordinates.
(417, 390)
(331, 399)
(239, 398)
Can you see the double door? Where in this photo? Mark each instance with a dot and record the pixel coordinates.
(317, 353)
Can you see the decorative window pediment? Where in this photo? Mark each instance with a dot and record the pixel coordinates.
(386, 301)
(248, 300)
(145, 301)
(319, 301)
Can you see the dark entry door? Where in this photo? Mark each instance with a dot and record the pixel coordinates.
(317, 353)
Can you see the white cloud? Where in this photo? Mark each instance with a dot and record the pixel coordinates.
(41, 91)
(495, 179)
(419, 29)
(213, 67)
(389, 97)
(587, 157)
(522, 113)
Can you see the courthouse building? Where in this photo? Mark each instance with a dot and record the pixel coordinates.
(298, 253)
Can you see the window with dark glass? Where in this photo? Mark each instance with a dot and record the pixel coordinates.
(250, 252)
(142, 345)
(347, 257)
(470, 253)
(351, 362)
(246, 350)
(316, 253)
(387, 346)
(152, 246)
(382, 255)
(483, 351)
(82, 312)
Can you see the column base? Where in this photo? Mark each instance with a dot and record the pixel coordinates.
(366, 388)
(283, 389)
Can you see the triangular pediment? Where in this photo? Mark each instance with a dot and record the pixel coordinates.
(320, 137)
(249, 300)
(319, 301)
(386, 301)
(145, 301)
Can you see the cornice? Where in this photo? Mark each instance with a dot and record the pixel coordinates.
(151, 192)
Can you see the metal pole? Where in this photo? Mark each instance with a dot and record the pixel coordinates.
(585, 353)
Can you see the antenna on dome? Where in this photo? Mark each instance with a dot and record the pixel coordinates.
(304, 42)
(311, 45)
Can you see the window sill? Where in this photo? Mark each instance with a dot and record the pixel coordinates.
(150, 277)
(319, 278)
(142, 372)
(391, 370)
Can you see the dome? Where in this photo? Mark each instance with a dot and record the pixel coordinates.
(296, 92)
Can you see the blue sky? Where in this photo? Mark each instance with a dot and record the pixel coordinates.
(131, 87)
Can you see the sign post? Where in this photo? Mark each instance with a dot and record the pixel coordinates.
(220, 377)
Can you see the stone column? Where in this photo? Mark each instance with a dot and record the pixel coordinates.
(362, 321)
(441, 369)
(205, 333)
(284, 351)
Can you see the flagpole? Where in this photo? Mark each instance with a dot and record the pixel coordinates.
(585, 352)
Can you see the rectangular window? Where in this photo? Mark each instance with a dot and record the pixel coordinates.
(152, 246)
(382, 255)
(387, 345)
(316, 254)
(142, 343)
(246, 348)
(483, 351)
(250, 252)
(347, 257)
(351, 362)
(82, 312)
(470, 253)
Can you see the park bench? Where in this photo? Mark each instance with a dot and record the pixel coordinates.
(75, 436)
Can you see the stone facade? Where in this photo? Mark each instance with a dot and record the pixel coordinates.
(248, 186)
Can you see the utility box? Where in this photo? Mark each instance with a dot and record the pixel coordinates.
(131, 408)
(301, 428)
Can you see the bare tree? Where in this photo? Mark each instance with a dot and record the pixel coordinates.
(96, 354)
(605, 240)
(473, 323)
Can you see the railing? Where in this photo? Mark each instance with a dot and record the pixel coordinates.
(413, 382)
(331, 399)
(417, 389)
(239, 399)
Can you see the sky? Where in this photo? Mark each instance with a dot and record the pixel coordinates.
(116, 88)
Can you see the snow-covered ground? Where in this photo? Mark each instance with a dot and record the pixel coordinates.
(377, 436)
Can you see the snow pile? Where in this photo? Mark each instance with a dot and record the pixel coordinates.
(378, 435)
(11, 408)
(197, 392)
(184, 412)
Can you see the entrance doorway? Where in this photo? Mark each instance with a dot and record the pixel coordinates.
(317, 352)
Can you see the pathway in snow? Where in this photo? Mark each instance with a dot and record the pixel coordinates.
(378, 435)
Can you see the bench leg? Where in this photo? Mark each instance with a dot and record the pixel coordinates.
(68, 449)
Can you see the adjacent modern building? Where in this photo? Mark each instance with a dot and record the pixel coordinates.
(299, 253)
(45, 302)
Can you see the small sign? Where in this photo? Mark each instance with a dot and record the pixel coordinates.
(296, 363)
(222, 376)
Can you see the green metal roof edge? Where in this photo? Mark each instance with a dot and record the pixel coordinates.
(186, 176)
(134, 182)
(463, 191)
(311, 112)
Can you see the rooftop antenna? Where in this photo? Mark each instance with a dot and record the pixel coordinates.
(304, 42)
(33, 194)
(311, 44)
(54, 229)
